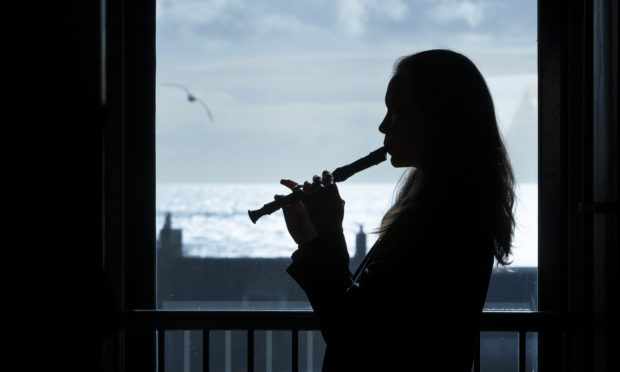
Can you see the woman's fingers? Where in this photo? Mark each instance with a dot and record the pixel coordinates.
(314, 187)
(278, 197)
(322, 209)
(289, 183)
(318, 182)
(327, 178)
(285, 207)
(298, 222)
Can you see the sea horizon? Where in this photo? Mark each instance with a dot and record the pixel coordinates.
(214, 218)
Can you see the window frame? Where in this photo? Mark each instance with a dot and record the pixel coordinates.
(565, 174)
(565, 170)
(129, 174)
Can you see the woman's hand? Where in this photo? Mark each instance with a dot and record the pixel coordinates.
(320, 212)
(298, 222)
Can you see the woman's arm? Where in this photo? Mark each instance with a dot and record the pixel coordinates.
(321, 268)
(349, 310)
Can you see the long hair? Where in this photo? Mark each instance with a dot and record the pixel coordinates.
(466, 155)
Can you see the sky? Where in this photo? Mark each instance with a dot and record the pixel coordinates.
(296, 87)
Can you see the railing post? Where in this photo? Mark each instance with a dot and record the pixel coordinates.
(161, 350)
(477, 357)
(159, 322)
(295, 350)
(205, 350)
(250, 350)
(522, 350)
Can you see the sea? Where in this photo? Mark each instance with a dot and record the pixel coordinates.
(214, 218)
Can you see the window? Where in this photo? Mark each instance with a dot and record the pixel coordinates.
(565, 257)
(251, 92)
(248, 93)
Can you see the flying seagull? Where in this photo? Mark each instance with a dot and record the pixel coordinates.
(192, 98)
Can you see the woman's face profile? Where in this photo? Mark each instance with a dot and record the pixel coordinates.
(404, 127)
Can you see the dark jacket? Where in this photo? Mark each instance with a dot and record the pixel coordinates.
(415, 301)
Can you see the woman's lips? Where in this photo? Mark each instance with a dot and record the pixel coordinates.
(387, 147)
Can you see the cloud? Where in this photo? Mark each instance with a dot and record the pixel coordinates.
(472, 13)
(278, 75)
(278, 23)
(227, 23)
(392, 10)
(343, 24)
(355, 15)
(179, 19)
(352, 16)
(193, 11)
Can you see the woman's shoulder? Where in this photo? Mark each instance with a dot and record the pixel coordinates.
(439, 226)
(425, 216)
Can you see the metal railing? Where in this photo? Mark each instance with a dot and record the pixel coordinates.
(295, 321)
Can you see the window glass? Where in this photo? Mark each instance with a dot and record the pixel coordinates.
(249, 92)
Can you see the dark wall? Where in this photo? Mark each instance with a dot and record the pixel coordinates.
(52, 135)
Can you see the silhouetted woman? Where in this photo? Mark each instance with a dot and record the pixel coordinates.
(415, 301)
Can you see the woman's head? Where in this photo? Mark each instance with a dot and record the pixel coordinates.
(405, 129)
(443, 101)
(441, 120)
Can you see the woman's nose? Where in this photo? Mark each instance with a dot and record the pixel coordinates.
(383, 127)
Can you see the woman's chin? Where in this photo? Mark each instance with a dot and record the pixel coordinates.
(395, 162)
(398, 163)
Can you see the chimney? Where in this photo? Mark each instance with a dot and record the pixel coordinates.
(360, 250)
(170, 240)
(360, 245)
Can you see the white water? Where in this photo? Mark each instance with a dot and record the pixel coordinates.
(215, 221)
